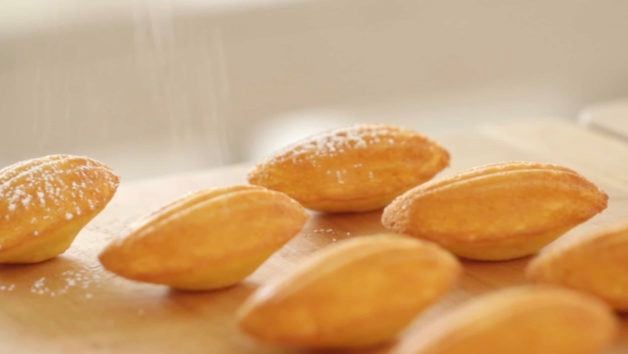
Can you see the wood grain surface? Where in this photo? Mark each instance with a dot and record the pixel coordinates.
(70, 305)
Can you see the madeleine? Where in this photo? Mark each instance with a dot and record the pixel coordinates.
(356, 293)
(596, 263)
(497, 212)
(45, 202)
(353, 169)
(522, 320)
(208, 240)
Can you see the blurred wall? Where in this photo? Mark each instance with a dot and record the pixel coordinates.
(162, 86)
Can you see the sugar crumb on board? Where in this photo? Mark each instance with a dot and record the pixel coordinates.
(7, 287)
(335, 234)
(65, 282)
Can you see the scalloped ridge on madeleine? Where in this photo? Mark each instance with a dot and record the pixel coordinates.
(211, 239)
(45, 202)
(596, 263)
(359, 168)
(520, 320)
(497, 212)
(356, 293)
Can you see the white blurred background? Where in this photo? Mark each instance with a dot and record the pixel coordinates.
(154, 87)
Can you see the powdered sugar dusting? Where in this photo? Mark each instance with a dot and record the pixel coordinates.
(340, 176)
(68, 280)
(333, 235)
(7, 287)
(42, 198)
(339, 141)
(54, 187)
(315, 150)
(26, 201)
(39, 286)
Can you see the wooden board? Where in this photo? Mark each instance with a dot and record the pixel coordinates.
(69, 305)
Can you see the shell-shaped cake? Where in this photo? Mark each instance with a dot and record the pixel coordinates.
(521, 320)
(207, 240)
(359, 292)
(497, 212)
(354, 169)
(596, 263)
(45, 202)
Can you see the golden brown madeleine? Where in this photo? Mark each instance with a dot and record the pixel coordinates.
(356, 293)
(208, 240)
(359, 168)
(522, 320)
(596, 263)
(497, 212)
(45, 202)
